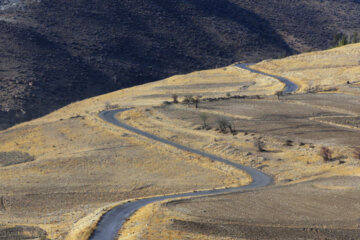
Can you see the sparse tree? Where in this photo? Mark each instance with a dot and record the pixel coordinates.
(196, 101)
(289, 143)
(357, 153)
(279, 94)
(188, 99)
(204, 118)
(326, 154)
(224, 123)
(354, 38)
(343, 41)
(175, 98)
(260, 145)
(107, 106)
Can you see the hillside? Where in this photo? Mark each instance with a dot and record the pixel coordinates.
(74, 166)
(54, 52)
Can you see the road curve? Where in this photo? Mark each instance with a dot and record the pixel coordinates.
(289, 86)
(112, 221)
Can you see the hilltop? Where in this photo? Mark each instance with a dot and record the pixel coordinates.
(54, 52)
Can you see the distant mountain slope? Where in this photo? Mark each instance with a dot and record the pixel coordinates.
(53, 52)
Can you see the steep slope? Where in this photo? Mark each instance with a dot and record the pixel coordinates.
(56, 52)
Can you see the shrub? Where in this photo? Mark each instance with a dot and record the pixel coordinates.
(224, 124)
(260, 145)
(188, 99)
(196, 101)
(357, 153)
(289, 143)
(279, 94)
(314, 89)
(203, 118)
(175, 98)
(341, 39)
(326, 154)
(166, 103)
(354, 38)
(109, 106)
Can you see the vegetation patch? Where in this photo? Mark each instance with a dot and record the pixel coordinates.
(347, 121)
(22, 232)
(13, 158)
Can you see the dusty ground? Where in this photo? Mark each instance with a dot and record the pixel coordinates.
(324, 70)
(321, 209)
(81, 167)
(293, 130)
(58, 173)
(72, 163)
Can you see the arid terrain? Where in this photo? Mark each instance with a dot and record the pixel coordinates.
(56, 52)
(61, 172)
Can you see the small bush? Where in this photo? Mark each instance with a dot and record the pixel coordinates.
(260, 145)
(357, 153)
(188, 99)
(224, 124)
(203, 118)
(109, 106)
(341, 39)
(326, 154)
(279, 94)
(289, 143)
(313, 89)
(166, 103)
(175, 98)
(196, 100)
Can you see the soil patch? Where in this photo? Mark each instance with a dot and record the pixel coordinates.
(13, 158)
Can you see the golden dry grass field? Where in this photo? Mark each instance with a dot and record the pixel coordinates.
(59, 173)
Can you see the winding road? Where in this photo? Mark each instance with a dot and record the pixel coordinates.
(112, 221)
(289, 86)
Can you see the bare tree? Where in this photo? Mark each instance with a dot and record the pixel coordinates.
(188, 99)
(196, 101)
(2, 204)
(225, 123)
(175, 98)
(204, 117)
(279, 94)
(357, 153)
(326, 154)
(260, 145)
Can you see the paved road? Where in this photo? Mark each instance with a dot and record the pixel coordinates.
(289, 86)
(112, 221)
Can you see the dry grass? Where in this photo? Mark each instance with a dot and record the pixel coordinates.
(83, 164)
(301, 211)
(325, 70)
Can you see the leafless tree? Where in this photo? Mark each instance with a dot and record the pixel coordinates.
(175, 98)
(326, 154)
(204, 117)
